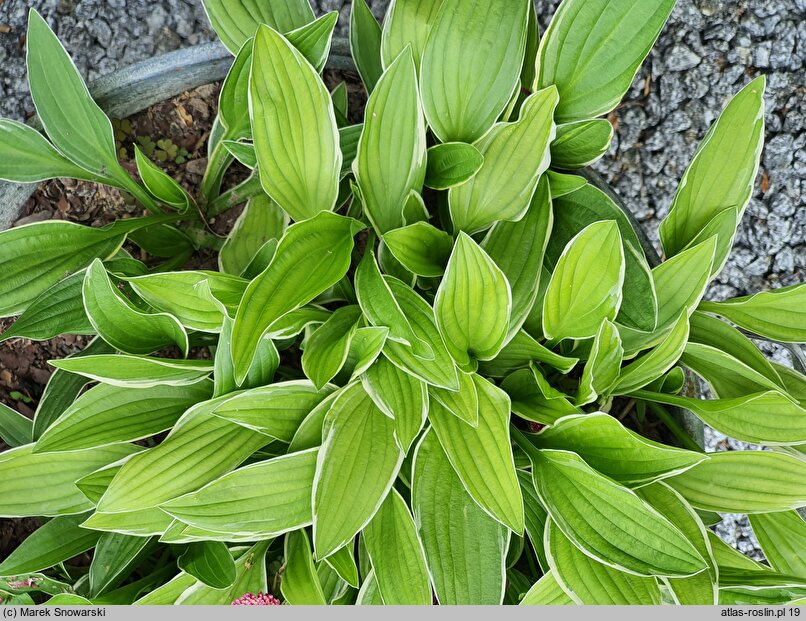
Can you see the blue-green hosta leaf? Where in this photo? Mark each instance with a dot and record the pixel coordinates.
(365, 44)
(518, 249)
(769, 417)
(294, 128)
(136, 371)
(327, 348)
(589, 582)
(463, 403)
(608, 521)
(235, 22)
(452, 164)
(123, 326)
(472, 305)
(15, 429)
(421, 248)
(465, 548)
(28, 157)
(614, 450)
(22, 473)
(54, 542)
(783, 538)
(439, 371)
(547, 592)
(728, 377)
(701, 588)
(471, 64)
(603, 365)
(515, 156)
(160, 184)
(407, 23)
(397, 555)
(520, 352)
(581, 143)
(745, 482)
(276, 410)
(35, 257)
(300, 585)
(312, 257)
(534, 399)
(115, 559)
(260, 221)
(592, 51)
(482, 456)
(654, 364)
(721, 175)
(109, 414)
(261, 500)
(390, 161)
(400, 396)
(585, 288)
(209, 562)
(200, 448)
(359, 459)
(75, 124)
(776, 314)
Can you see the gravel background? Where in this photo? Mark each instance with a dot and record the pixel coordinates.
(708, 51)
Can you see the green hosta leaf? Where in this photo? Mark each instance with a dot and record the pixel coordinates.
(589, 582)
(77, 126)
(35, 257)
(581, 143)
(163, 240)
(67, 599)
(482, 456)
(54, 542)
(59, 310)
(200, 448)
(313, 40)
(244, 152)
(452, 164)
(783, 538)
(533, 398)
(161, 185)
(776, 314)
(727, 556)
(681, 281)
(349, 138)
(700, 588)
(140, 523)
(603, 365)
(294, 127)
(587, 205)
(235, 22)
(421, 248)
(300, 585)
(547, 592)
(441, 370)
(535, 515)
(745, 482)
(397, 555)
(209, 562)
(260, 500)
(94, 484)
(721, 175)
(115, 559)
(22, 472)
(359, 459)
(28, 157)
(518, 249)
(562, 184)
(471, 64)
(472, 305)
(365, 44)
(521, 351)
(110, 414)
(465, 403)
(365, 349)
(762, 418)
(407, 23)
(369, 594)
(515, 156)
(608, 521)
(136, 371)
(312, 256)
(614, 450)
(390, 161)
(592, 51)
(261, 221)
(400, 396)
(233, 101)
(343, 563)
(276, 410)
(654, 364)
(326, 349)
(15, 429)
(293, 323)
(585, 288)
(727, 376)
(464, 547)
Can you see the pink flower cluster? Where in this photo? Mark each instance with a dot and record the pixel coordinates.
(261, 599)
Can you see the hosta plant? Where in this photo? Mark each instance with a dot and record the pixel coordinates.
(434, 364)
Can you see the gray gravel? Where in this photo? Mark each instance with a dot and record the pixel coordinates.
(708, 51)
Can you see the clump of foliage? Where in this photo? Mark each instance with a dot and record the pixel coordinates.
(484, 341)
